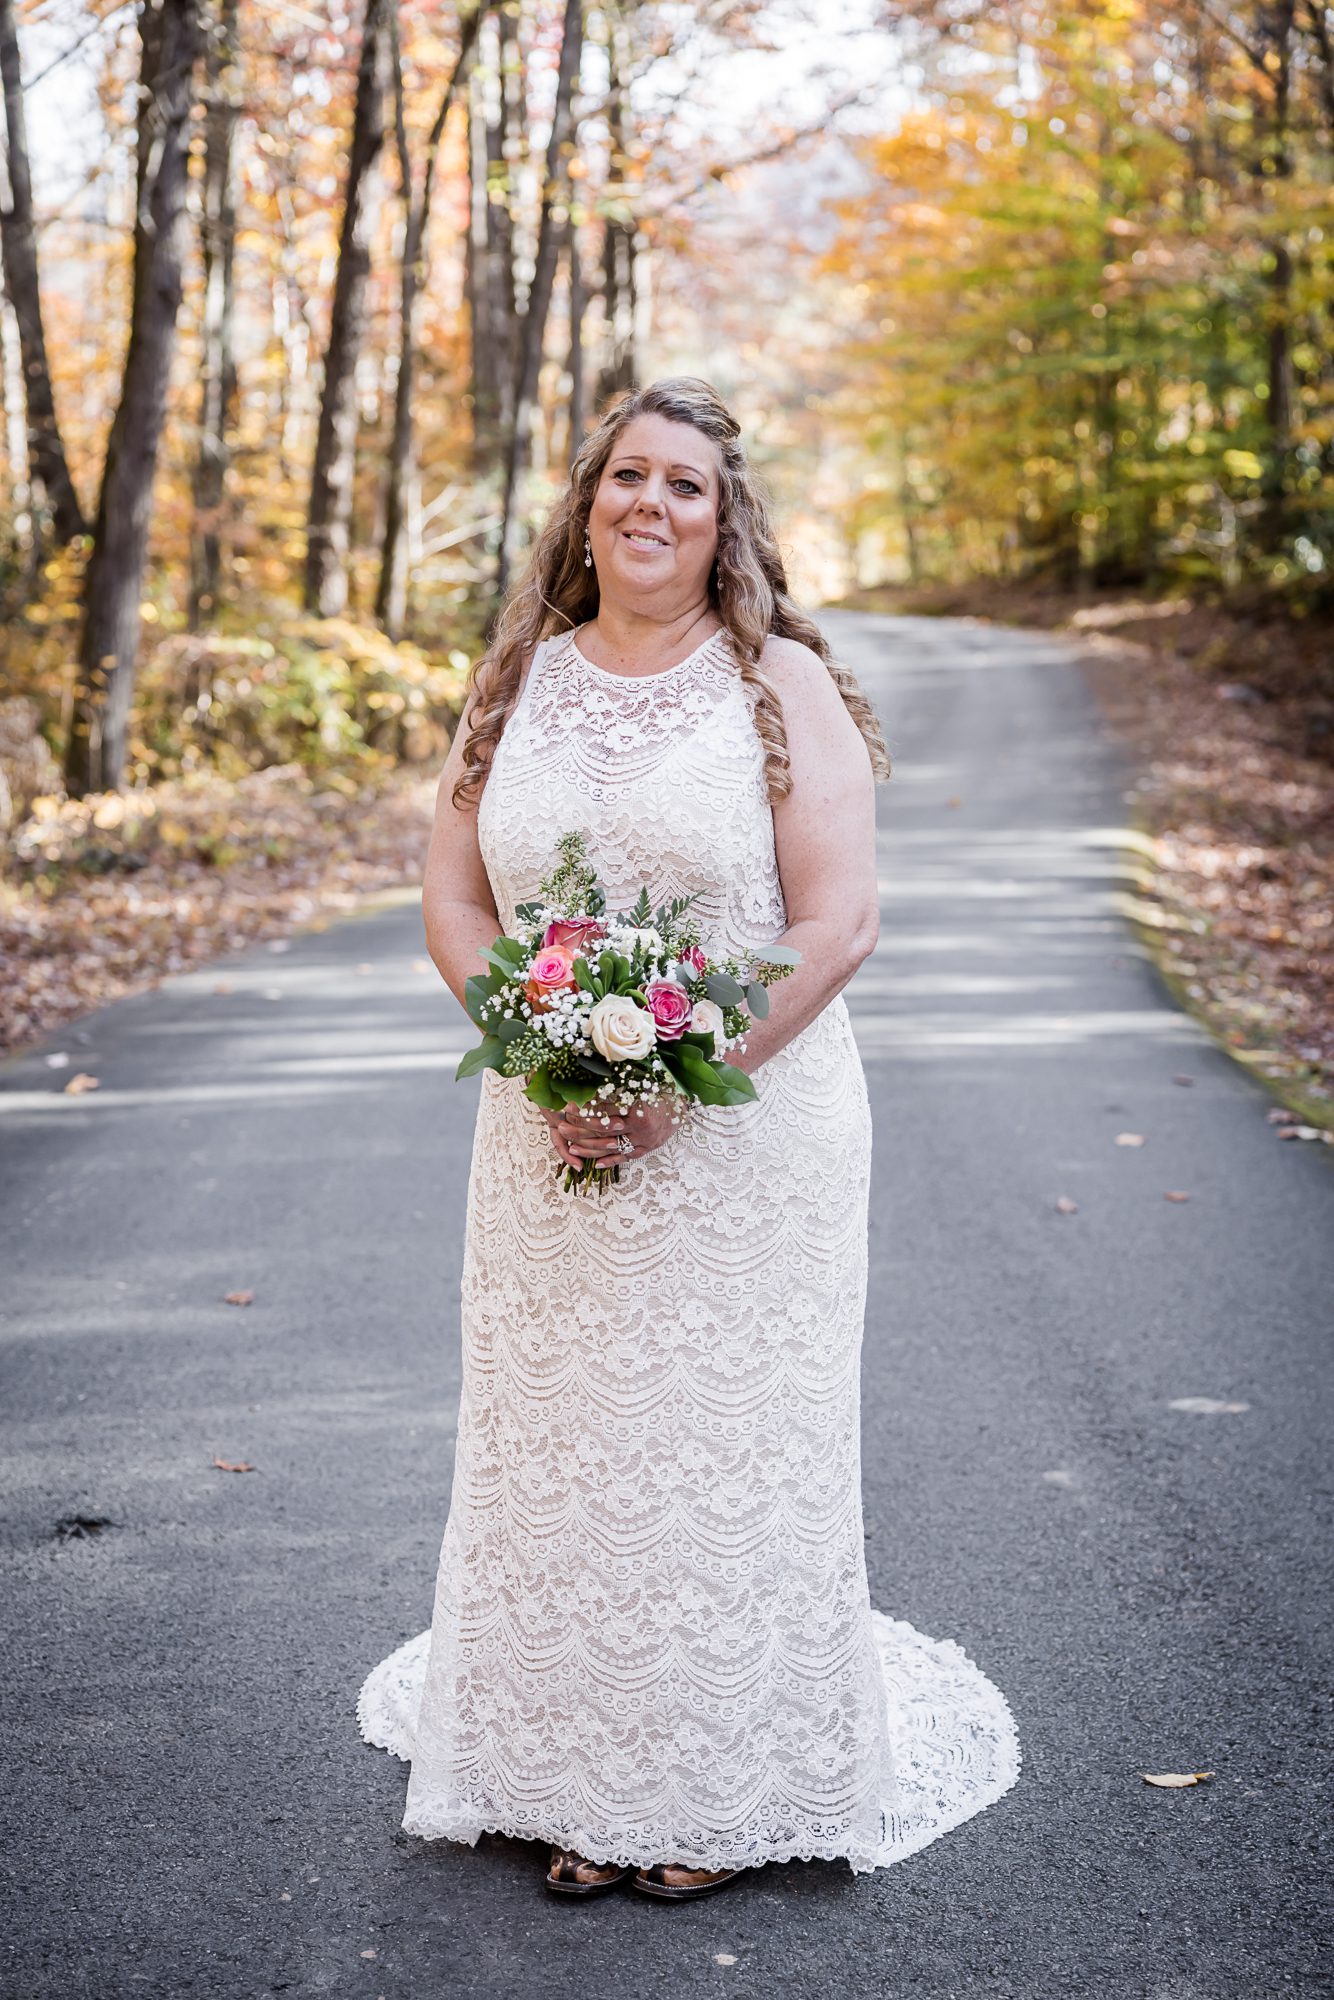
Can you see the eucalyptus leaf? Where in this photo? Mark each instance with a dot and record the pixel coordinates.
(778, 954)
(510, 1029)
(757, 999)
(721, 986)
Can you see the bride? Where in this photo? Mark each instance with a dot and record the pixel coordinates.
(653, 1647)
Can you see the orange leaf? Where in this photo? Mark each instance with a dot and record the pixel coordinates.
(78, 1084)
(226, 1465)
(1174, 1194)
(239, 1299)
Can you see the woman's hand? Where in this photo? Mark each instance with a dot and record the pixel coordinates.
(579, 1135)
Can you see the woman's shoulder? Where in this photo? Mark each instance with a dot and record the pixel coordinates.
(794, 669)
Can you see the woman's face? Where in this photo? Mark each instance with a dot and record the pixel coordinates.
(654, 519)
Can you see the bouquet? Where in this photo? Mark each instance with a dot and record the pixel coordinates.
(618, 1011)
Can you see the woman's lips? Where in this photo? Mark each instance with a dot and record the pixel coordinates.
(640, 539)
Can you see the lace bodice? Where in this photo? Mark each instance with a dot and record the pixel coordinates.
(664, 771)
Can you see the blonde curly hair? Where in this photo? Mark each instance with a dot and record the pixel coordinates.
(747, 589)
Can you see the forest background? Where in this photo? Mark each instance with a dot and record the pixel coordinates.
(1027, 310)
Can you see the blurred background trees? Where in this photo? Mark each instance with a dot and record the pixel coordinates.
(305, 312)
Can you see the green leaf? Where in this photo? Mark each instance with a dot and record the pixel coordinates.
(509, 1030)
(778, 954)
(721, 986)
(477, 989)
(714, 1082)
(510, 949)
(737, 1081)
(757, 999)
(578, 1090)
(541, 1090)
(527, 912)
(582, 976)
(489, 1054)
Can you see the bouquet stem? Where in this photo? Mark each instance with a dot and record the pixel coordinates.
(580, 1179)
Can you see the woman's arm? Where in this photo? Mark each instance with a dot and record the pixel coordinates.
(458, 907)
(824, 834)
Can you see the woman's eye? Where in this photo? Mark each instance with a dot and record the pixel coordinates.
(630, 473)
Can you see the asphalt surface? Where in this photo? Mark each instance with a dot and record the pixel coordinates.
(188, 1807)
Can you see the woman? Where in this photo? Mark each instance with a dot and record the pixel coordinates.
(653, 1645)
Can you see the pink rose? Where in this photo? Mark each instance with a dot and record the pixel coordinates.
(552, 971)
(575, 933)
(694, 957)
(670, 1006)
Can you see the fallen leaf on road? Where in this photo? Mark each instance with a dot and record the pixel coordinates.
(239, 1299)
(368, 1954)
(1175, 1779)
(1181, 1077)
(1066, 1206)
(223, 986)
(60, 1061)
(78, 1084)
(723, 1958)
(225, 1465)
(1130, 1138)
(1174, 1194)
(1281, 1116)
(1301, 1132)
(1206, 1406)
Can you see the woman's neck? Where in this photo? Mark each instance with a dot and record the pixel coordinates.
(628, 636)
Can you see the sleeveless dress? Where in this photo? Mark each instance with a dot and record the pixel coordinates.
(652, 1636)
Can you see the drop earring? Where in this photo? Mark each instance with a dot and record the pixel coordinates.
(588, 551)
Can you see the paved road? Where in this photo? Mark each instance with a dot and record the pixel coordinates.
(188, 1807)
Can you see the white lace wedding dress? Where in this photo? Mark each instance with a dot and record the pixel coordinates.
(652, 1638)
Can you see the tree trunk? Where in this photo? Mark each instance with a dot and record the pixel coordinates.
(170, 37)
(578, 396)
(496, 141)
(217, 400)
(391, 598)
(532, 332)
(1275, 166)
(620, 300)
(330, 513)
(48, 470)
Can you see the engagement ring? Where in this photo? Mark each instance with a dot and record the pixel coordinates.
(624, 1143)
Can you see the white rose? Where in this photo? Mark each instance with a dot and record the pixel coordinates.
(620, 1030)
(706, 1018)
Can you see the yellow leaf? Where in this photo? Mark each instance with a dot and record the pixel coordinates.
(1175, 1780)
